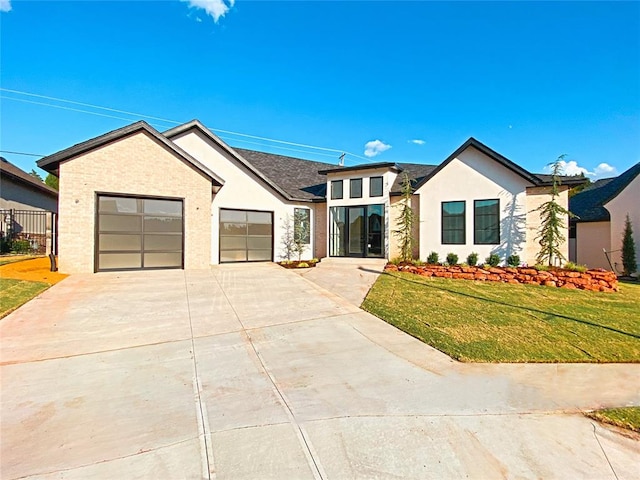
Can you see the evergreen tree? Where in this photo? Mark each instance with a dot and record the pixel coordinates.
(405, 219)
(52, 181)
(552, 216)
(35, 174)
(628, 249)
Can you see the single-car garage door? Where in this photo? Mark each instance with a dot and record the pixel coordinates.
(246, 236)
(135, 233)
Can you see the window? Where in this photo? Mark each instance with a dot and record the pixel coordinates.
(302, 225)
(336, 189)
(375, 187)
(453, 232)
(486, 222)
(355, 188)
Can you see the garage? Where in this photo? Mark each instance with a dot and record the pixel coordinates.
(137, 233)
(246, 236)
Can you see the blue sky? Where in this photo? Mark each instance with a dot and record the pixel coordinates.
(410, 80)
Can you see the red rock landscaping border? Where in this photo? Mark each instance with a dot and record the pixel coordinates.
(597, 280)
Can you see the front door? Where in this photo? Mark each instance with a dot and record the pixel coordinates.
(357, 231)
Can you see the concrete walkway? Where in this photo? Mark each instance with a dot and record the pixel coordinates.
(251, 371)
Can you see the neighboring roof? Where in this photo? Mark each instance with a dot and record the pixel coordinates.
(589, 204)
(367, 166)
(280, 171)
(504, 161)
(8, 169)
(417, 173)
(569, 180)
(300, 179)
(51, 163)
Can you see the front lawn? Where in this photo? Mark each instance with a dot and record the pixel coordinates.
(625, 417)
(499, 322)
(14, 293)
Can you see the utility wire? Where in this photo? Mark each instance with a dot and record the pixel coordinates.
(164, 120)
(21, 153)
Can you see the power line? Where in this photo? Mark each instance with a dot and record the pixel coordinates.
(21, 153)
(256, 137)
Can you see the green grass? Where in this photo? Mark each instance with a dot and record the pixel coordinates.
(498, 322)
(4, 260)
(14, 293)
(625, 417)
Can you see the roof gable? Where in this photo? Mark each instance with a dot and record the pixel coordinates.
(51, 163)
(9, 170)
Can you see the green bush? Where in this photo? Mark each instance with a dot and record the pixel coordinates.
(395, 261)
(513, 260)
(472, 259)
(418, 263)
(541, 268)
(20, 246)
(5, 245)
(432, 259)
(493, 260)
(452, 258)
(574, 267)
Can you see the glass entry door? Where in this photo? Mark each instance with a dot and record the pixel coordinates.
(357, 231)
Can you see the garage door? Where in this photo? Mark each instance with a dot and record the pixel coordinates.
(136, 233)
(246, 236)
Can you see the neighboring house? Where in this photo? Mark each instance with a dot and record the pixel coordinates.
(137, 198)
(21, 191)
(601, 209)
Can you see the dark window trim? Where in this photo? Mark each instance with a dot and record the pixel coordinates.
(464, 223)
(97, 232)
(333, 195)
(475, 221)
(254, 211)
(351, 181)
(381, 186)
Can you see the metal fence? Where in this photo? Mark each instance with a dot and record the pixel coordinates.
(28, 231)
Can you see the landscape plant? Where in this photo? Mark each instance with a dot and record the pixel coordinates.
(288, 240)
(452, 258)
(552, 216)
(405, 220)
(493, 260)
(472, 259)
(433, 258)
(629, 265)
(300, 233)
(513, 260)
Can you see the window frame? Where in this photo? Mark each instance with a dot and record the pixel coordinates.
(353, 181)
(371, 179)
(444, 215)
(334, 196)
(493, 241)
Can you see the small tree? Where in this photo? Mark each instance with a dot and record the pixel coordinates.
(300, 231)
(35, 174)
(552, 223)
(629, 265)
(287, 241)
(52, 181)
(405, 219)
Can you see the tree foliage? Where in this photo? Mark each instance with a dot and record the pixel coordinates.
(405, 220)
(552, 221)
(287, 241)
(36, 175)
(52, 181)
(301, 231)
(628, 249)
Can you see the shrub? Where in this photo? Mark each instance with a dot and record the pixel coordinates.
(472, 259)
(574, 267)
(433, 258)
(314, 260)
(541, 268)
(513, 260)
(303, 265)
(628, 249)
(452, 258)
(21, 246)
(418, 262)
(395, 261)
(493, 260)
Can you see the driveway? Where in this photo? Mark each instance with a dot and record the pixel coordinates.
(254, 372)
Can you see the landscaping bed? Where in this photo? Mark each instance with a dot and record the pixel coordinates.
(597, 280)
(299, 263)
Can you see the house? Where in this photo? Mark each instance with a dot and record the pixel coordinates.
(27, 210)
(601, 210)
(136, 198)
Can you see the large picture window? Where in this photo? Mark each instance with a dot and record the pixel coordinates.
(486, 221)
(302, 225)
(453, 223)
(336, 189)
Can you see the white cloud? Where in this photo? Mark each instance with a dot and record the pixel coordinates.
(572, 168)
(417, 141)
(374, 148)
(5, 5)
(215, 8)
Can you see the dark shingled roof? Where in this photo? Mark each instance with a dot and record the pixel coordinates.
(416, 171)
(588, 205)
(299, 178)
(8, 169)
(570, 180)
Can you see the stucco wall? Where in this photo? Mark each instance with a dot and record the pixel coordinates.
(474, 176)
(591, 238)
(21, 197)
(536, 196)
(134, 165)
(241, 190)
(627, 201)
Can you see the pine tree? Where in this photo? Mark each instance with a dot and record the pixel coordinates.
(405, 219)
(35, 174)
(552, 216)
(628, 249)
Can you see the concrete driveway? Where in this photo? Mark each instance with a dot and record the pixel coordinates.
(253, 372)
